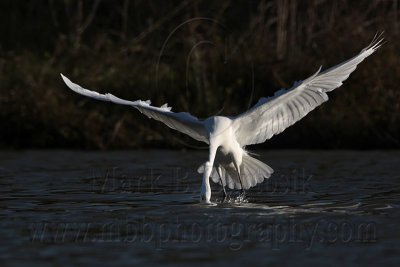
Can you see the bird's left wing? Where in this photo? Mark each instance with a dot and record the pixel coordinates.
(182, 121)
(270, 116)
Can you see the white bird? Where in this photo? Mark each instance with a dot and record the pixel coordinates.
(228, 162)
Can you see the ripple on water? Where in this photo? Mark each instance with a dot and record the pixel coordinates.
(123, 216)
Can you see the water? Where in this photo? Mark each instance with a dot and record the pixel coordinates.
(141, 207)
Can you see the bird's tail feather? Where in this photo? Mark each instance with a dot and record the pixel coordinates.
(252, 172)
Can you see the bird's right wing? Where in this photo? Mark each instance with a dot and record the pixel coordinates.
(270, 116)
(182, 121)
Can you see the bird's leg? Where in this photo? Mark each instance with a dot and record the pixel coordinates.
(222, 184)
(242, 194)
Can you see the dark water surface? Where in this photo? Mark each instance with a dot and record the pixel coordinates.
(125, 208)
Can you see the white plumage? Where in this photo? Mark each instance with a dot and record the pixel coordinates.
(228, 163)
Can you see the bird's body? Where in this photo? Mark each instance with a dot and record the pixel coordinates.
(229, 163)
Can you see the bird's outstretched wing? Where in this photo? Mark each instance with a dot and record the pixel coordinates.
(182, 121)
(270, 116)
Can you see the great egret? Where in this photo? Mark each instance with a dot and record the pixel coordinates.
(229, 163)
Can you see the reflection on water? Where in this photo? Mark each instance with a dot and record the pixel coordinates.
(135, 207)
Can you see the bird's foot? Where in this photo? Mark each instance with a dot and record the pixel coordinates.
(242, 196)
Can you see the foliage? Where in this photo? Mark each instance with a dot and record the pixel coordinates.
(206, 57)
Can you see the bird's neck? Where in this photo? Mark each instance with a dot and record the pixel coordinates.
(205, 188)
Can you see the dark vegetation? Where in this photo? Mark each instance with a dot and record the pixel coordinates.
(206, 57)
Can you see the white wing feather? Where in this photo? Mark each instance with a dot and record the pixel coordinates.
(270, 116)
(182, 121)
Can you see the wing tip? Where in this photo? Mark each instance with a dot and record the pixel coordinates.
(67, 81)
(63, 77)
(376, 42)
